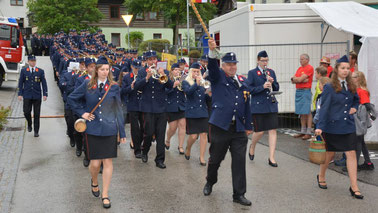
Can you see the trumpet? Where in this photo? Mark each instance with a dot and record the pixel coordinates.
(178, 78)
(110, 61)
(205, 83)
(155, 75)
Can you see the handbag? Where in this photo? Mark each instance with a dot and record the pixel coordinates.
(317, 150)
(80, 124)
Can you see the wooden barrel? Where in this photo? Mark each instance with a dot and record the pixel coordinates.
(80, 125)
(317, 152)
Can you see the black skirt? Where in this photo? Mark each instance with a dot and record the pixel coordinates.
(265, 121)
(174, 116)
(197, 125)
(340, 142)
(101, 147)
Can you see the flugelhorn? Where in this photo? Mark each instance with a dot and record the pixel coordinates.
(155, 75)
(180, 79)
(205, 83)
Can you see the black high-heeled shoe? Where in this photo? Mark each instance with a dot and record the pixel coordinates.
(96, 194)
(181, 153)
(272, 164)
(108, 205)
(166, 146)
(353, 193)
(202, 164)
(251, 157)
(319, 183)
(187, 157)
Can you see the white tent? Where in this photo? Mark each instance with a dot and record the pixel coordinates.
(360, 20)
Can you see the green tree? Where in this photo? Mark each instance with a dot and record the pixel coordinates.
(136, 38)
(174, 11)
(51, 16)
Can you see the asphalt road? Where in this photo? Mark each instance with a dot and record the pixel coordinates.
(52, 179)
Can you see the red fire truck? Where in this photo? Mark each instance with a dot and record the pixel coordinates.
(12, 49)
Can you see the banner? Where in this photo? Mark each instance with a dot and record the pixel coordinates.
(201, 1)
(169, 58)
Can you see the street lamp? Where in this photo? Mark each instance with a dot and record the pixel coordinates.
(127, 19)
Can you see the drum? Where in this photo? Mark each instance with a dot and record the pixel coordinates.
(80, 125)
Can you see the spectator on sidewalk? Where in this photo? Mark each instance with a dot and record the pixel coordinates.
(326, 62)
(364, 94)
(353, 61)
(319, 73)
(321, 82)
(303, 80)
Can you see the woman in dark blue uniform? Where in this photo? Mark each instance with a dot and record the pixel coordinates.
(196, 113)
(264, 107)
(176, 109)
(339, 102)
(102, 126)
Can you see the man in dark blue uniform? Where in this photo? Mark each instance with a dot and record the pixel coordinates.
(31, 84)
(132, 99)
(152, 104)
(204, 62)
(230, 123)
(67, 85)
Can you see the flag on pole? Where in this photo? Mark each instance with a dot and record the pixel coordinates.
(200, 1)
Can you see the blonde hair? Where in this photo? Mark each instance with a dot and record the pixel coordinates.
(324, 80)
(361, 80)
(94, 78)
(189, 77)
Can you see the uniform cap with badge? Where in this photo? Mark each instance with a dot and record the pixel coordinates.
(229, 57)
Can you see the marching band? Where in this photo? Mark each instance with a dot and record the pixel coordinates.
(109, 87)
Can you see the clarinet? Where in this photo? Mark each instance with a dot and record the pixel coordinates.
(274, 100)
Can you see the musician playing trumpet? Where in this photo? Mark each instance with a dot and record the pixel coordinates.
(153, 105)
(176, 109)
(196, 112)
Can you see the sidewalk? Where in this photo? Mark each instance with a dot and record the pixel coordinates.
(11, 143)
(299, 148)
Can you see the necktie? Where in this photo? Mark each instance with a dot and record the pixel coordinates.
(101, 86)
(32, 70)
(235, 82)
(343, 85)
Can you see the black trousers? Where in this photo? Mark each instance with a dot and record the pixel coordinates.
(361, 146)
(136, 126)
(68, 115)
(154, 124)
(55, 76)
(36, 105)
(221, 142)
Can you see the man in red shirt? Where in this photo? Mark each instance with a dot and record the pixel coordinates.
(326, 62)
(303, 80)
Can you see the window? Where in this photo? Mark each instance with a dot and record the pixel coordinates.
(17, 2)
(139, 16)
(116, 39)
(5, 32)
(114, 12)
(152, 15)
(217, 39)
(157, 35)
